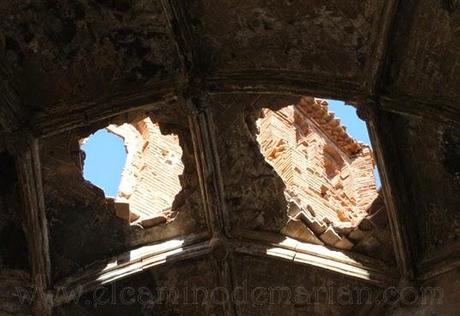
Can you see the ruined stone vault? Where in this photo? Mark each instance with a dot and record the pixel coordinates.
(238, 86)
(150, 178)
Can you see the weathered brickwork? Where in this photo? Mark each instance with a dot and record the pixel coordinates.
(150, 179)
(320, 164)
(330, 184)
(258, 228)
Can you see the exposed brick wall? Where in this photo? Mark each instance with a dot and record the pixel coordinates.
(364, 181)
(329, 177)
(150, 179)
(321, 165)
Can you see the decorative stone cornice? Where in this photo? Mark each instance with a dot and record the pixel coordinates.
(317, 110)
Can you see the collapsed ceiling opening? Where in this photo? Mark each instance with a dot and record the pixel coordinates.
(203, 71)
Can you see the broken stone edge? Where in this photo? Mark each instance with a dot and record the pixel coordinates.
(255, 243)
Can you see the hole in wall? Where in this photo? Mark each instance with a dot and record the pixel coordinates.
(327, 165)
(319, 160)
(137, 167)
(105, 158)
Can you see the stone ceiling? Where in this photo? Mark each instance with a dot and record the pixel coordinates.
(199, 67)
(74, 52)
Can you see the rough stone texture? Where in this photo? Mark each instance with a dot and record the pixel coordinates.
(12, 298)
(437, 214)
(298, 230)
(191, 288)
(66, 65)
(329, 178)
(254, 36)
(181, 289)
(254, 192)
(370, 236)
(439, 296)
(81, 50)
(427, 49)
(79, 215)
(375, 240)
(295, 290)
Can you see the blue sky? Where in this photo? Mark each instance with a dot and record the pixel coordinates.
(355, 126)
(347, 115)
(105, 159)
(106, 156)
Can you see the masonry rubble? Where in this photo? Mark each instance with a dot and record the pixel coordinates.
(330, 185)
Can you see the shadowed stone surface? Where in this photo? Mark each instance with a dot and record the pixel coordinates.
(254, 36)
(80, 50)
(79, 214)
(204, 70)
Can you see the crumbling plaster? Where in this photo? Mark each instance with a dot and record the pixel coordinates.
(79, 211)
(205, 69)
